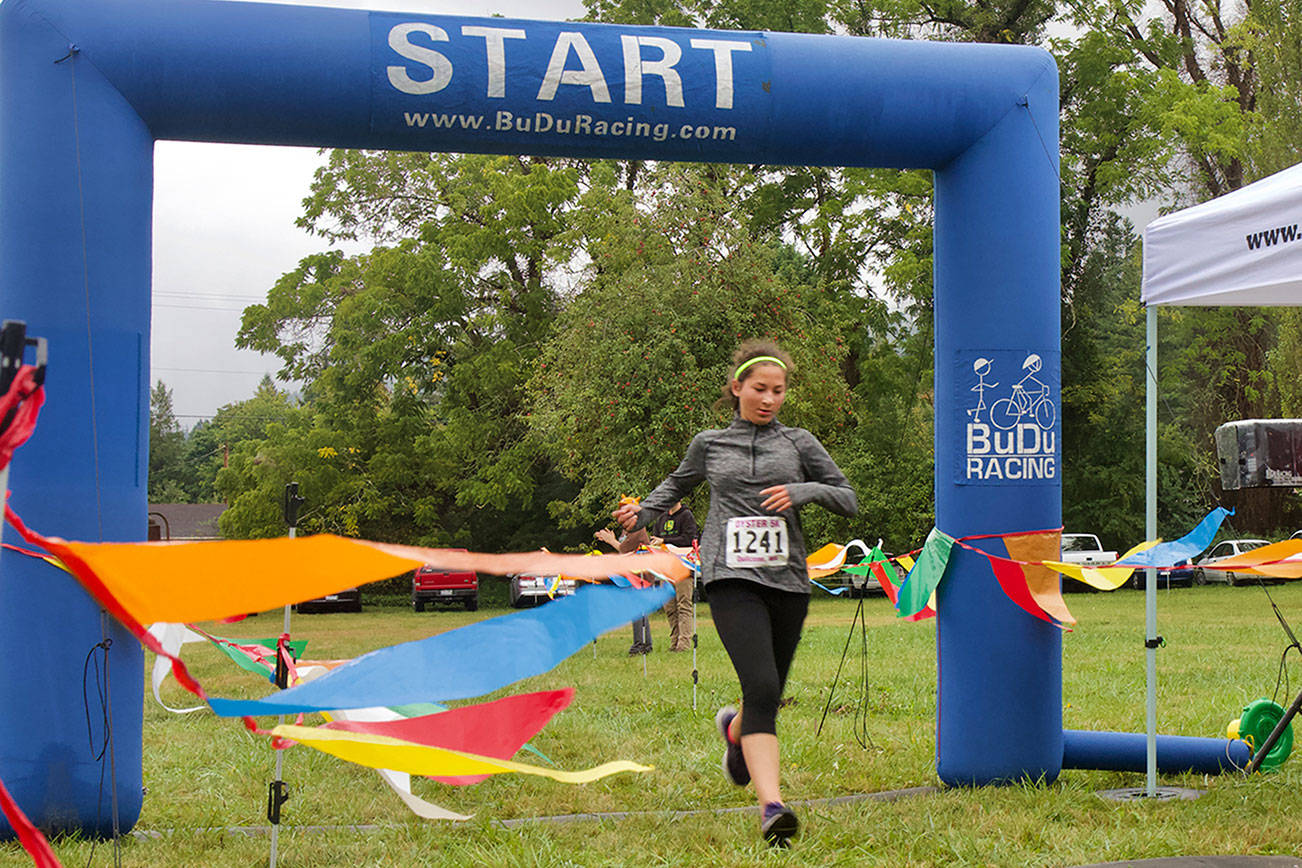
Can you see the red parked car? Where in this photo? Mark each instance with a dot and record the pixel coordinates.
(430, 584)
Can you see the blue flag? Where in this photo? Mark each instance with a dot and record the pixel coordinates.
(1169, 553)
(471, 661)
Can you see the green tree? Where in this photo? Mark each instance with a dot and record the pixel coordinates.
(1273, 39)
(167, 472)
(638, 357)
(415, 354)
(1216, 86)
(210, 443)
(1197, 86)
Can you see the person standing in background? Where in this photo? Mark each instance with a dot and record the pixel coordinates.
(677, 527)
(631, 542)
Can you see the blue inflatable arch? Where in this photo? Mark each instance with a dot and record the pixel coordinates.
(88, 86)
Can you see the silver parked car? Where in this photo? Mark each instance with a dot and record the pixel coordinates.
(1225, 549)
(536, 590)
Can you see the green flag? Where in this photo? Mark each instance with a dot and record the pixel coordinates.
(242, 660)
(925, 575)
(877, 564)
(879, 555)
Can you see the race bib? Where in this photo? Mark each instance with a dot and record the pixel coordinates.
(756, 541)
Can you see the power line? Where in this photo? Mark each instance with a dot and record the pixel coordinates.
(214, 371)
(257, 417)
(200, 307)
(198, 295)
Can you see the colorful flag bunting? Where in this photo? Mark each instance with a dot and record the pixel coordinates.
(171, 637)
(929, 611)
(1012, 579)
(1281, 560)
(256, 655)
(1292, 570)
(488, 655)
(835, 592)
(234, 577)
(886, 575)
(1029, 575)
(874, 564)
(123, 577)
(879, 565)
(400, 782)
(830, 559)
(1103, 578)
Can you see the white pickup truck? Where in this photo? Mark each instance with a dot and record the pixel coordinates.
(1086, 550)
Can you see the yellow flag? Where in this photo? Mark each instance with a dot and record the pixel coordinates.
(383, 752)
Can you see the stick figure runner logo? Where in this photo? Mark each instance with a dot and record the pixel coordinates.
(980, 367)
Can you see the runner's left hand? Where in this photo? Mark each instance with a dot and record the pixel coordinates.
(779, 499)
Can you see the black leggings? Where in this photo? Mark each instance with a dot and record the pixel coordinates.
(760, 628)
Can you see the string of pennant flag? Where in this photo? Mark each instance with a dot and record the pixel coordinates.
(1028, 573)
(381, 708)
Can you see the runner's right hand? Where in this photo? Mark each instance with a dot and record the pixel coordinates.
(626, 515)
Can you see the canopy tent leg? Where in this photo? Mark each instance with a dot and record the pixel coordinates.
(1150, 532)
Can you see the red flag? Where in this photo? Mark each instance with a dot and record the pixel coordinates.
(1041, 583)
(495, 729)
(30, 836)
(892, 593)
(1013, 580)
(879, 570)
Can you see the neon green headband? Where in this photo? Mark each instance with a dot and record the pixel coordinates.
(773, 360)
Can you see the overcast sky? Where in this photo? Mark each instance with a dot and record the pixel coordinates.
(224, 231)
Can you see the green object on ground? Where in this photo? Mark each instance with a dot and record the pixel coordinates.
(1258, 721)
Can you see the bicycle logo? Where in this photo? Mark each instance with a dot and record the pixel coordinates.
(1029, 398)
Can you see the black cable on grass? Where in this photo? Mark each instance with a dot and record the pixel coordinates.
(861, 713)
(860, 723)
(1282, 675)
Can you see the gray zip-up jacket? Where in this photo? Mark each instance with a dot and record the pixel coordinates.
(739, 462)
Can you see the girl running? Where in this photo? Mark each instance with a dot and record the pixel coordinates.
(753, 556)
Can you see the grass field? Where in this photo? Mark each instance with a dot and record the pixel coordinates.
(206, 775)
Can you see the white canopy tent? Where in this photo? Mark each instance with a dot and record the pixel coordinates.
(1241, 249)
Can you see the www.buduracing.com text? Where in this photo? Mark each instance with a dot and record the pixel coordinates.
(541, 123)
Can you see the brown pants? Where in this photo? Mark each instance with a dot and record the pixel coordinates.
(679, 610)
